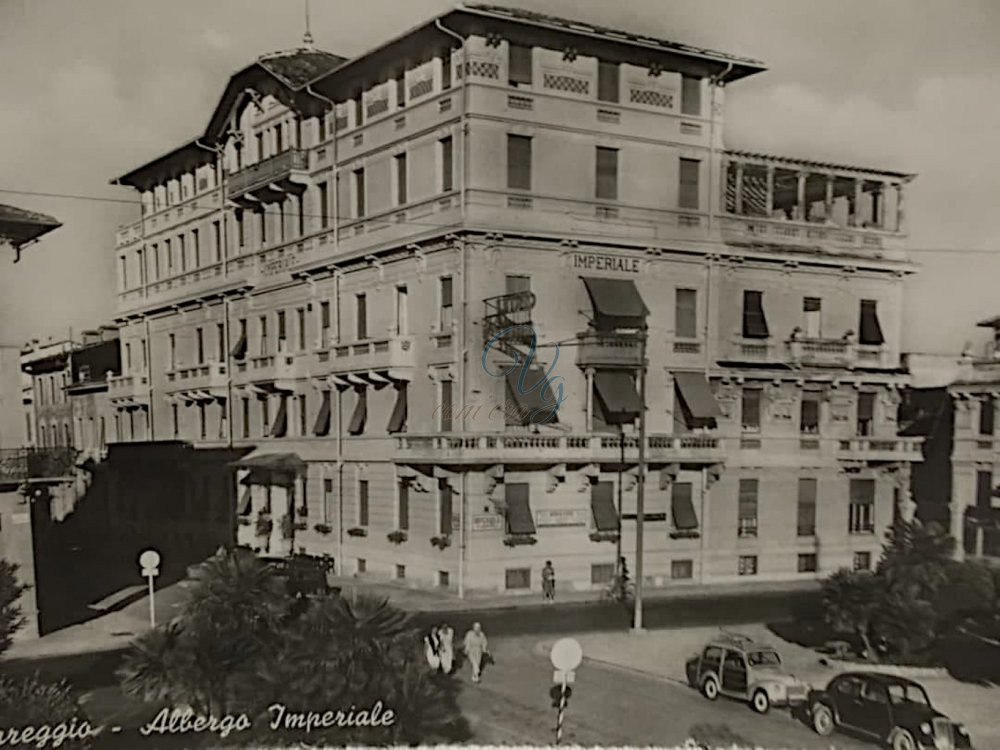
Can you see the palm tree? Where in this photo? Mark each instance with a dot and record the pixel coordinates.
(10, 612)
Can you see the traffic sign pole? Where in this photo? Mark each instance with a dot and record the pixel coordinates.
(152, 606)
(562, 711)
(148, 564)
(566, 656)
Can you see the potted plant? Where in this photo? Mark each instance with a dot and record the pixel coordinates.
(322, 528)
(287, 526)
(357, 531)
(264, 524)
(441, 542)
(397, 537)
(516, 540)
(604, 536)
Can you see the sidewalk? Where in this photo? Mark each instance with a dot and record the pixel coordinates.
(426, 600)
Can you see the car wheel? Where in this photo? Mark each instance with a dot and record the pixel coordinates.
(760, 702)
(903, 740)
(710, 688)
(822, 720)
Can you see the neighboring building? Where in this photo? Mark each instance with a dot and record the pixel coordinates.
(48, 364)
(322, 290)
(28, 405)
(20, 228)
(13, 430)
(97, 358)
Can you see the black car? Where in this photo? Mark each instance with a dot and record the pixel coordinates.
(892, 709)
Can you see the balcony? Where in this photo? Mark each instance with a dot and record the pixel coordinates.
(471, 448)
(204, 377)
(22, 464)
(130, 389)
(395, 357)
(506, 311)
(881, 450)
(269, 180)
(813, 352)
(270, 372)
(608, 350)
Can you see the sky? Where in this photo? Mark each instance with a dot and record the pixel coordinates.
(91, 89)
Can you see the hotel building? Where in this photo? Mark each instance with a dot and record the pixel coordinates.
(318, 278)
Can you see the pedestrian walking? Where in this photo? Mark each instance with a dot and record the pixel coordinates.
(476, 648)
(446, 639)
(432, 648)
(549, 582)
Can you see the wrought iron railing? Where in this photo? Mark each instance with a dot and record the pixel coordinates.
(268, 170)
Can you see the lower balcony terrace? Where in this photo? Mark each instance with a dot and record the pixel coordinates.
(130, 389)
(475, 448)
(815, 352)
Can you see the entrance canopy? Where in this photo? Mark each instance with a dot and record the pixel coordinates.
(272, 468)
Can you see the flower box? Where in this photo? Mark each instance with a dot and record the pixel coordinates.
(441, 542)
(301, 526)
(287, 527)
(357, 531)
(322, 528)
(516, 540)
(264, 525)
(605, 536)
(397, 537)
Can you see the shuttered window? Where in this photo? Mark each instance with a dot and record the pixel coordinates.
(519, 65)
(688, 194)
(806, 523)
(607, 81)
(686, 313)
(607, 173)
(518, 162)
(690, 95)
(747, 513)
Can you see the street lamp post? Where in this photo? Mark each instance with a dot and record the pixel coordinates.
(640, 495)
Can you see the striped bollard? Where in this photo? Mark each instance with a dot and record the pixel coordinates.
(562, 711)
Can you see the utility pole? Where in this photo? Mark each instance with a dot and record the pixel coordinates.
(640, 495)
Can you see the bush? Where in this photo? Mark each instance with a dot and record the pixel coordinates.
(10, 613)
(28, 702)
(970, 591)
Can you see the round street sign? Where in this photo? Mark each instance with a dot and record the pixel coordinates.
(566, 654)
(149, 559)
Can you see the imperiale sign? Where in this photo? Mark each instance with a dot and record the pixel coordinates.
(567, 517)
(591, 262)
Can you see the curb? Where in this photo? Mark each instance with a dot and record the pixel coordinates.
(895, 670)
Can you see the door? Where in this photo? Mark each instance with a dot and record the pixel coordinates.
(873, 713)
(734, 673)
(847, 696)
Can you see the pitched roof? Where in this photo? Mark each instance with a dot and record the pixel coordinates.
(19, 226)
(296, 68)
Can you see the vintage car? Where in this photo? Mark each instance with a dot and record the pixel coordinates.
(735, 666)
(891, 709)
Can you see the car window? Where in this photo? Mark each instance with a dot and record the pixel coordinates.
(874, 692)
(849, 687)
(764, 659)
(901, 693)
(712, 654)
(734, 660)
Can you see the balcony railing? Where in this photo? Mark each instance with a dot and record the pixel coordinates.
(840, 352)
(604, 350)
(128, 385)
(20, 464)
(378, 354)
(881, 449)
(270, 170)
(531, 447)
(507, 311)
(207, 375)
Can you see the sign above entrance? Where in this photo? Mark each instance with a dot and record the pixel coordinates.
(567, 517)
(595, 262)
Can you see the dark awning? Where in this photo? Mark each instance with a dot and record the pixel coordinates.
(530, 408)
(280, 426)
(397, 420)
(682, 507)
(240, 349)
(616, 396)
(617, 303)
(357, 425)
(602, 505)
(272, 468)
(754, 320)
(862, 491)
(519, 519)
(870, 332)
(697, 395)
(321, 427)
(245, 503)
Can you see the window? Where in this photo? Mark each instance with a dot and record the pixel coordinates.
(987, 412)
(196, 248)
(812, 311)
(168, 249)
(361, 564)
(516, 284)
(124, 272)
(401, 90)
(324, 205)
(259, 137)
(220, 338)
(402, 311)
(809, 414)
(686, 313)
(518, 162)
(400, 571)
(517, 578)
(403, 506)
(361, 316)
(602, 573)
(807, 562)
(444, 508)
(869, 328)
(263, 335)
(265, 416)
(362, 502)
(281, 220)
(806, 523)
(750, 409)
(245, 404)
(172, 345)
(359, 193)
(303, 415)
(240, 227)
(607, 173)
(447, 168)
(747, 514)
(199, 343)
(688, 195)
(681, 569)
(202, 421)
(156, 261)
(300, 328)
(262, 225)
(984, 489)
(447, 407)
(861, 512)
(321, 128)
(862, 560)
(446, 299)
(359, 109)
(690, 95)
(519, 65)
(754, 320)
(182, 253)
(175, 420)
(446, 70)
(301, 206)
(324, 323)
(866, 413)
(327, 497)
(747, 565)
(607, 81)
(145, 355)
(400, 162)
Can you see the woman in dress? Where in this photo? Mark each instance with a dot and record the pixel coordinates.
(446, 637)
(432, 648)
(475, 646)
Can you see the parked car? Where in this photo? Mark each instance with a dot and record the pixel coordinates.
(892, 709)
(735, 666)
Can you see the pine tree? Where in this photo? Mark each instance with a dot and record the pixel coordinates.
(11, 589)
